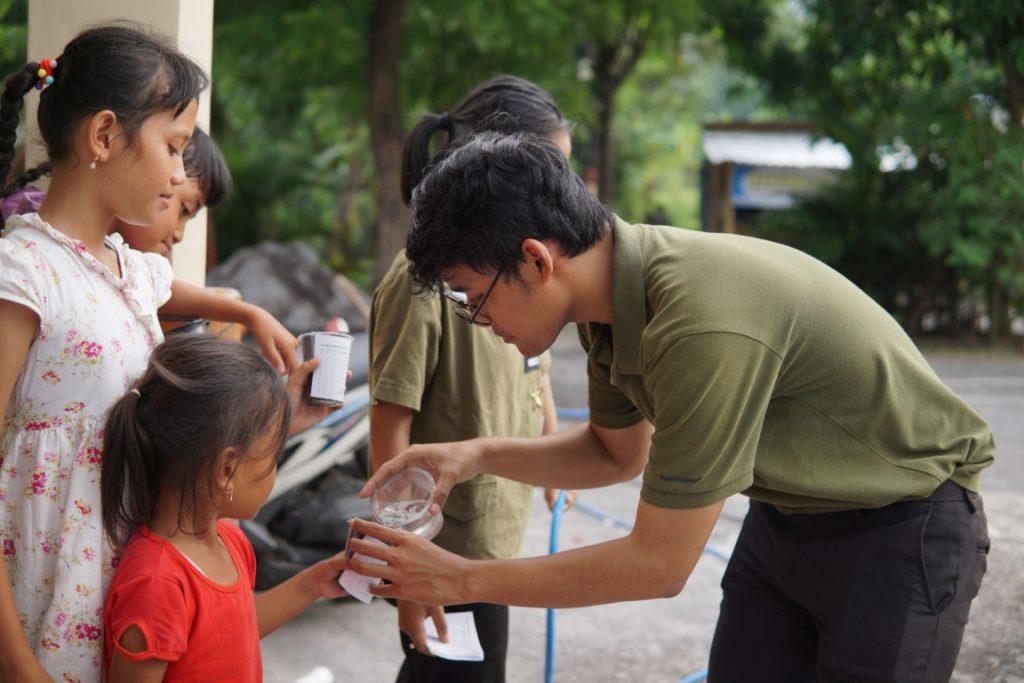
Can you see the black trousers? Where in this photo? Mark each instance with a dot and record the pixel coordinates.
(492, 628)
(861, 596)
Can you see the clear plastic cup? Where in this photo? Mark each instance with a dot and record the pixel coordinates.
(402, 502)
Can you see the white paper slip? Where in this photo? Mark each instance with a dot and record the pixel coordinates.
(357, 585)
(463, 642)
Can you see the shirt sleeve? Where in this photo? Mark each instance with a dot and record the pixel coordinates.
(23, 268)
(711, 394)
(156, 605)
(26, 199)
(162, 275)
(405, 334)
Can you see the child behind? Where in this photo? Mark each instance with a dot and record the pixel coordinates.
(196, 441)
(207, 183)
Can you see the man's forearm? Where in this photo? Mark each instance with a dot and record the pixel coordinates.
(574, 458)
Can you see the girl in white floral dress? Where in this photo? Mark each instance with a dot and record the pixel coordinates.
(77, 322)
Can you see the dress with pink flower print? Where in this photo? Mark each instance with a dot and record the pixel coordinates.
(96, 329)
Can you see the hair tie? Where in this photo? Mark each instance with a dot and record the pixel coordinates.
(45, 73)
(444, 122)
(136, 392)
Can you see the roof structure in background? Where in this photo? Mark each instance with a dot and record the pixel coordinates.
(778, 145)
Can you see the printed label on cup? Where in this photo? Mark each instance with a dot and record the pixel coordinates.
(326, 385)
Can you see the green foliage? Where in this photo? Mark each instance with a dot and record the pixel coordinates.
(13, 35)
(938, 80)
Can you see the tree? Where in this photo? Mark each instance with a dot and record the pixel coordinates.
(936, 85)
(386, 132)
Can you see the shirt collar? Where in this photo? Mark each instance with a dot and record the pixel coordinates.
(630, 300)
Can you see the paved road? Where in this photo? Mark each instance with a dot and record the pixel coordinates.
(665, 640)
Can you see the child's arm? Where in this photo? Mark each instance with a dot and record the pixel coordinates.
(276, 343)
(284, 602)
(18, 325)
(550, 427)
(124, 670)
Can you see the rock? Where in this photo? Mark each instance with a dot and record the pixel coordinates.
(290, 282)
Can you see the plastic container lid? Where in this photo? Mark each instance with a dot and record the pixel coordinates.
(401, 502)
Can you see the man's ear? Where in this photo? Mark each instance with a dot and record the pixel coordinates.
(539, 259)
(100, 130)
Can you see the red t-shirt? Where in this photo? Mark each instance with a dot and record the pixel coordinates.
(206, 631)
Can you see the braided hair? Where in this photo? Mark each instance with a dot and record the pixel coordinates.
(123, 67)
(12, 100)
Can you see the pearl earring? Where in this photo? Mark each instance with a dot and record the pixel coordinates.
(92, 164)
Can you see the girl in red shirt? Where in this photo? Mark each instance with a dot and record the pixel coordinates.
(196, 441)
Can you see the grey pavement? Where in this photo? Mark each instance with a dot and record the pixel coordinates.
(667, 640)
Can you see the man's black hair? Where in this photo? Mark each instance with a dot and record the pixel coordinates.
(484, 195)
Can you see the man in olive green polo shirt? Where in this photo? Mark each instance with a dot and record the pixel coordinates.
(718, 364)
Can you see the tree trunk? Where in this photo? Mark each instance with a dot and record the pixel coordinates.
(386, 129)
(604, 105)
(613, 62)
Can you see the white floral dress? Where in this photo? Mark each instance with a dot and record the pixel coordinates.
(96, 332)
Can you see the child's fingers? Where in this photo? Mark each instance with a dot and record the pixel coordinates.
(440, 623)
(287, 352)
(269, 350)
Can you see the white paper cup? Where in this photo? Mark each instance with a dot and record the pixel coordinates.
(326, 384)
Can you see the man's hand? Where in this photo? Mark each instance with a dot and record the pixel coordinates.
(448, 463)
(416, 569)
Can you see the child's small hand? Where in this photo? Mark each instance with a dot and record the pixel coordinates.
(276, 343)
(323, 576)
(304, 413)
(411, 618)
(551, 496)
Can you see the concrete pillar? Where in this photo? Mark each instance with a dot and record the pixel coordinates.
(52, 23)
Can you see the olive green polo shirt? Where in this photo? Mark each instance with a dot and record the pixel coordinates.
(462, 381)
(766, 372)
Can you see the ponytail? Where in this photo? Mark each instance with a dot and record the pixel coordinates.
(416, 151)
(12, 100)
(504, 104)
(129, 478)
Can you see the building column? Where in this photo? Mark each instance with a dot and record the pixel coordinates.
(52, 23)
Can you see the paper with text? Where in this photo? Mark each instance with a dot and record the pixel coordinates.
(463, 642)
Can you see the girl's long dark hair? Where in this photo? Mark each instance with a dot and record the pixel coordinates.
(122, 67)
(200, 395)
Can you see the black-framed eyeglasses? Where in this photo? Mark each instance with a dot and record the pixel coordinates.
(460, 302)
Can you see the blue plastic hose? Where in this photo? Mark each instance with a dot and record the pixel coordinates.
(549, 648)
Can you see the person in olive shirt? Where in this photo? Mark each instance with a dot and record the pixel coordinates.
(718, 364)
(435, 378)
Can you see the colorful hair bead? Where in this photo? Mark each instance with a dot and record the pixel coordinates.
(45, 73)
